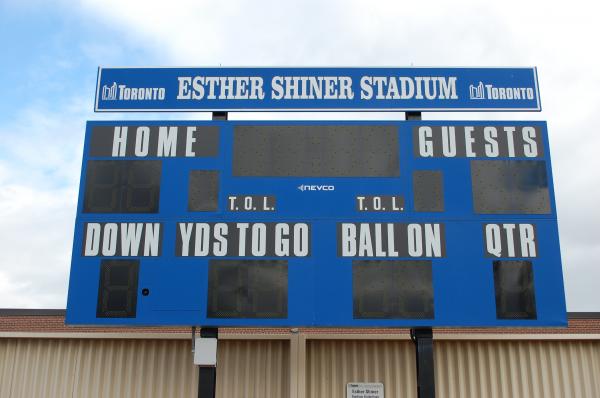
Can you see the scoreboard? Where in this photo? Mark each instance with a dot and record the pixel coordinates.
(245, 223)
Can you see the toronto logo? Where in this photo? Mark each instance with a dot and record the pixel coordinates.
(122, 92)
(109, 93)
(486, 91)
(476, 92)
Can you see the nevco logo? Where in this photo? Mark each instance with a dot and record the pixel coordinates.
(123, 93)
(316, 188)
(489, 91)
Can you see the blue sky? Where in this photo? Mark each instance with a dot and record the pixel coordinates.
(47, 75)
(48, 51)
(50, 55)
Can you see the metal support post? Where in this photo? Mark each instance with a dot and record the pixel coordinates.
(207, 375)
(219, 116)
(411, 115)
(423, 340)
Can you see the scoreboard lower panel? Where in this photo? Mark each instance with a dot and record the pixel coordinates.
(238, 223)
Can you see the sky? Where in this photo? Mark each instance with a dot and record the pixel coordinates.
(50, 52)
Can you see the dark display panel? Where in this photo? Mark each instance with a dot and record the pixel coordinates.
(392, 289)
(316, 151)
(203, 192)
(510, 187)
(117, 293)
(515, 293)
(122, 186)
(428, 188)
(247, 289)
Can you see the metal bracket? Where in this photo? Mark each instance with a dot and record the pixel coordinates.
(193, 338)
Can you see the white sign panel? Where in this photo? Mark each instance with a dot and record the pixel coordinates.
(205, 351)
(364, 390)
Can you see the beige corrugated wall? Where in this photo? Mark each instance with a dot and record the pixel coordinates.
(31, 368)
(253, 369)
(261, 368)
(478, 369)
(331, 364)
(90, 368)
(544, 369)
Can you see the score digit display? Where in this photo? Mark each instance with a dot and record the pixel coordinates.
(387, 224)
(130, 186)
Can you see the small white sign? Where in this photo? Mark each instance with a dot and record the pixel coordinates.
(364, 390)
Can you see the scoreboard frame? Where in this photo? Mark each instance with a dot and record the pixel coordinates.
(172, 289)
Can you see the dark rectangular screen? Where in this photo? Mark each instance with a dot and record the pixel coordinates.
(515, 293)
(510, 187)
(247, 289)
(122, 186)
(428, 189)
(316, 151)
(117, 291)
(203, 193)
(392, 289)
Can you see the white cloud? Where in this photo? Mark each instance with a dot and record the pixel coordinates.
(44, 156)
(39, 175)
(36, 233)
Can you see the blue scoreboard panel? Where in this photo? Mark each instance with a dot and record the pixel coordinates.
(239, 223)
